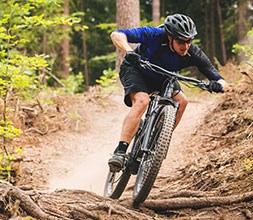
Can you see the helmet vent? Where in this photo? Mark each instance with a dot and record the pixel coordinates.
(178, 19)
(181, 27)
(184, 18)
(186, 27)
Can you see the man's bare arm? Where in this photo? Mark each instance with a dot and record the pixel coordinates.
(120, 41)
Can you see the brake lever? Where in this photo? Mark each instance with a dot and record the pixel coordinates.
(146, 65)
(203, 85)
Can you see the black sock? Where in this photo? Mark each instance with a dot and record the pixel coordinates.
(122, 147)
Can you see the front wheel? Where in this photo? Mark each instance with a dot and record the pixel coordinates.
(159, 141)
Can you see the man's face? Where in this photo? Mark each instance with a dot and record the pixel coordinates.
(181, 46)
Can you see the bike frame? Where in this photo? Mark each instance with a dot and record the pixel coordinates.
(157, 102)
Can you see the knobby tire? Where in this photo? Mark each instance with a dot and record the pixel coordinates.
(116, 183)
(151, 163)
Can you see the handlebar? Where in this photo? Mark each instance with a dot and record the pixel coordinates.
(157, 69)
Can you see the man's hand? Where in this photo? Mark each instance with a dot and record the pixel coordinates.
(132, 58)
(215, 86)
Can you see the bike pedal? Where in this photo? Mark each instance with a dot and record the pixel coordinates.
(114, 169)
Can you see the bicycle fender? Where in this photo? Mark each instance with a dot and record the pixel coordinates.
(168, 101)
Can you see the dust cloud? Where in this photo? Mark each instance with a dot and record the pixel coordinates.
(80, 158)
(80, 171)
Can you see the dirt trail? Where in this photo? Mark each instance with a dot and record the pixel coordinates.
(179, 155)
(84, 156)
(78, 159)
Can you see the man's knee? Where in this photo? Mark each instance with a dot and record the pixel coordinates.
(140, 100)
(183, 103)
(182, 100)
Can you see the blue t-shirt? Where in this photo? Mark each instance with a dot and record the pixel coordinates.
(154, 46)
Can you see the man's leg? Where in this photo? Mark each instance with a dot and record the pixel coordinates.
(181, 99)
(131, 122)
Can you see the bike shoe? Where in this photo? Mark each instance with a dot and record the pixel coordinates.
(116, 162)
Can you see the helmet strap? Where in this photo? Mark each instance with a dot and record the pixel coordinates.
(171, 45)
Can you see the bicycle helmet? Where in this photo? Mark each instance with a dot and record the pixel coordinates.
(180, 26)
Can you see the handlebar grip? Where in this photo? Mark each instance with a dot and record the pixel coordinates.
(133, 58)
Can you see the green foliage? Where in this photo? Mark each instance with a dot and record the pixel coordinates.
(247, 48)
(146, 22)
(73, 84)
(37, 26)
(8, 130)
(99, 63)
(75, 116)
(20, 24)
(7, 171)
(107, 80)
(248, 163)
(17, 73)
(109, 27)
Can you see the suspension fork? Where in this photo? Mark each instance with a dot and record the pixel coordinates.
(161, 102)
(153, 109)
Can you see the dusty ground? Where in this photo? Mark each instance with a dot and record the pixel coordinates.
(207, 153)
(76, 158)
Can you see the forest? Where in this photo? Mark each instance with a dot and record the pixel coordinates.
(58, 64)
(74, 36)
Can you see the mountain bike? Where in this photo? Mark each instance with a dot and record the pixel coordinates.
(152, 140)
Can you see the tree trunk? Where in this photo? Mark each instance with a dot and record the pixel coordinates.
(156, 11)
(86, 73)
(242, 24)
(242, 19)
(222, 41)
(65, 45)
(206, 21)
(85, 57)
(197, 202)
(163, 7)
(127, 16)
(42, 78)
(212, 27)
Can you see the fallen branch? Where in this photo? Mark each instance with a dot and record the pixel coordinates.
(55, 78)
(63, 205)
(246, 74)
(26, 203)
(215, 136)
(24, 108)
(184, 194)
(180, 203)
(32, 129)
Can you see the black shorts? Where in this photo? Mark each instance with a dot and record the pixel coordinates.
(135, 80)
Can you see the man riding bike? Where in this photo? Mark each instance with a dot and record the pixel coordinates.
(169, 46)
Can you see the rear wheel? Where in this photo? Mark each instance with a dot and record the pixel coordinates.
(116, 183)
(151, 162)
